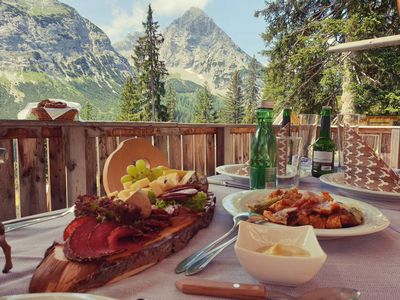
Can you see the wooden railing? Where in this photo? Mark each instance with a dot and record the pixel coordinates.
(51, 163)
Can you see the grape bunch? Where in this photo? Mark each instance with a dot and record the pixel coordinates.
(140, 171)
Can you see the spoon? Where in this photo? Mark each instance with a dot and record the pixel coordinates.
(188, 261)
(258, 291)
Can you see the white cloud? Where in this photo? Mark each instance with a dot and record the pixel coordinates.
(176, 7)
(124, 21)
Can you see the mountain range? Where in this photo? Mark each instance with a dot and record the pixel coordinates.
(47, 50)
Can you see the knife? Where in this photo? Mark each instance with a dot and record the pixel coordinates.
(258, 291)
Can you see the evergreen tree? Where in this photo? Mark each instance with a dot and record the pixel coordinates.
(233, 109)
(150, 71)
(170, 99)
(251, 93)
(87, 111)
(204, 108)
(301, 73)
(130, 103)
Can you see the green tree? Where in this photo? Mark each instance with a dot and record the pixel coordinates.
(130, 103)
(302, 74)
(251, 93)
(233, 108)
(150, 71)
(170, 101)
(87, 111)
(204, 107)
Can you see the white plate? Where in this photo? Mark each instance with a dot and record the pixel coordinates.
(337, 180)
(231, 171)
(55, 296)
(374, 220)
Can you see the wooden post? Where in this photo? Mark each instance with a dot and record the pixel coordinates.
(224, 146)
(57, 176)
(210, 155)
(91, 165)
(7, 186)
(31, 157)
(106, 146)
(175, 152)
(75, 155)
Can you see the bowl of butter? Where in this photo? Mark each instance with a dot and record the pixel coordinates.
(284, 255)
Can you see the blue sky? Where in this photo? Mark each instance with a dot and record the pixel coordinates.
(235, 17)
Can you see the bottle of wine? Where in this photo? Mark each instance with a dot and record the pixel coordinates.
(286, 118)
(263, 150)
(324, 147)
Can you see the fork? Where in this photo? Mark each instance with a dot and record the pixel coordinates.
(17, 224)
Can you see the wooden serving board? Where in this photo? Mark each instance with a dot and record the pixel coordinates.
(58, 274)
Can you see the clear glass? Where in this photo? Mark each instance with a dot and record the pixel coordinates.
(351, 120)
(307, 131)
(288, 161)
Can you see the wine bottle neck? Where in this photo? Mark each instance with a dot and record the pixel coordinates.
(325, 130)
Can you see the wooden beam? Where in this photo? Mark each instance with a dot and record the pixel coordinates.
(386, 41)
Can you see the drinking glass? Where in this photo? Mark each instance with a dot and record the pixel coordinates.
(351, 120)
(308, 124)
(288, 150)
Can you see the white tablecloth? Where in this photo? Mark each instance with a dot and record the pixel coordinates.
(370, 263)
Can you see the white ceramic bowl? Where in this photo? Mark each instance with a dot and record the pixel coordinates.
(284, 270)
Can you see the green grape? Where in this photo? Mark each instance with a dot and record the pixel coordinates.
(151, 176)
(146, 172)
(140, 165)
(126, 178)
(157, 172)
(131, 170)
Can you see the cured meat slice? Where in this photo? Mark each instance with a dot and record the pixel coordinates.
(98, 238)
(77, 246)
(124, 237)
(73, 225)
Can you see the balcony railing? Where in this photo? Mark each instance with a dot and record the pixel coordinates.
(51, 163)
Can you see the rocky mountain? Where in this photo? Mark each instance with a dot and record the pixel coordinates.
(48, 50)
(198, 50)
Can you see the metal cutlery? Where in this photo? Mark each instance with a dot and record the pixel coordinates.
(17, 224)
(199, 265)
(187, 262)
(236, 185)
(258, 291)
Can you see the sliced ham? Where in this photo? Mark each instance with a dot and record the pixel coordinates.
(98, 238)
(75, 223)
(124, 237)
(77, 245)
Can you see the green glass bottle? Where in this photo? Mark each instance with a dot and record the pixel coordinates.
(263, 150)
(324, 147)
(286, 117)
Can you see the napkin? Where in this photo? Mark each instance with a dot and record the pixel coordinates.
(54, 113)
(282, 150)
(363, 169)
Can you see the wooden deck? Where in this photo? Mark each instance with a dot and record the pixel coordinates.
(51, 163)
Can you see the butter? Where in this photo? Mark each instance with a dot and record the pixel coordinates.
(283, 250)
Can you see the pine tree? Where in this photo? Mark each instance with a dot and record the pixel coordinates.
(251, 93)
(204, 108)
(87, 111)
(170, 99)
(233, 108)
(130, 103)
(150, 71)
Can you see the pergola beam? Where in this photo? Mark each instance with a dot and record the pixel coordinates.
(386, 41)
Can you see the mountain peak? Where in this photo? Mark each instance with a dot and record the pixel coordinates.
(194, 12)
